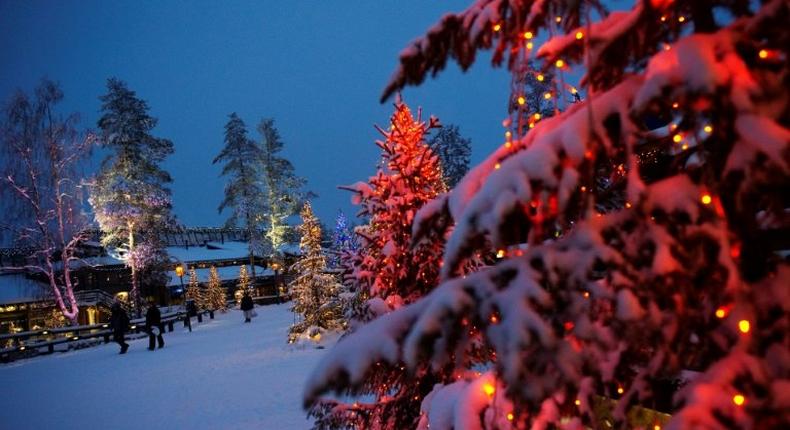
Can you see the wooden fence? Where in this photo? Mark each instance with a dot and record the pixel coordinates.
(31, 343)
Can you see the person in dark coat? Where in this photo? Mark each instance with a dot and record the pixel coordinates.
(119, 322)
(247, 306)
(153, 323)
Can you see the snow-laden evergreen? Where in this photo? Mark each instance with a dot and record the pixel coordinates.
(130, 198)
(244, 189)
(681, 280)
(315, 293)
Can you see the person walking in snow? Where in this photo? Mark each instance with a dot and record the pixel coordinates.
(153, 325)
(119, 322)
(247, 306)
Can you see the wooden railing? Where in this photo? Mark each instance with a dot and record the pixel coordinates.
(31, 343)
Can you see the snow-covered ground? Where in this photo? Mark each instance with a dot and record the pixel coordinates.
(223, 375)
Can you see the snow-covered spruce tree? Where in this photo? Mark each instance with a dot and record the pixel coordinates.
(391, 269)
(682, 281)
(217, 299)
(531, 95)
(454, 151)
(193, 290)
(41, 195)
(314, 291)
(243, 191)
(342, 240)
(130, 198)
(281, 187)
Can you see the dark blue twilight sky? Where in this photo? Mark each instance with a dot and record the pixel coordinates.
(317, 67)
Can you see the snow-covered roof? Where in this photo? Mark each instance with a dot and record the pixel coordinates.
(17, 288)
(212, 251)
(227, 273)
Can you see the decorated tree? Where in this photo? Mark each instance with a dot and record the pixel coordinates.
(244, 284)
(454, 151)
(193, 290)
(281, 187)
(244, 190)
(130, 198)
(343, 240)
(391, 269)
(216, 296)
(41, 193)
(597, 314)
(314, 291)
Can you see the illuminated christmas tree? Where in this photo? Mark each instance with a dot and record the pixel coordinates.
(215, 293)
(591, 318)
(244, 284)
(193, 290)
(390, 269)
(343, 240)
(314, 291)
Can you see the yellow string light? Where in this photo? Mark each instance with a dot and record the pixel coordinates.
(579, 35)
(497, 27)
(744, 326)
(528, 35)
(739, 399)
(560, 63)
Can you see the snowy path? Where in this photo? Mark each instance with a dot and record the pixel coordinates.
(223, 375)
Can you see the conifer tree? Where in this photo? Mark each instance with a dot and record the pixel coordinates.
(244, 284)
(587, 314)
(314, 291)
(244, 190)
(216, 293)
(193, 290)
(390, 269)
(454, 151)
(342, 240)
(281, 195)
(130, 198)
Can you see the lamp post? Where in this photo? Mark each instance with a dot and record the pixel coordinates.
(180, 274)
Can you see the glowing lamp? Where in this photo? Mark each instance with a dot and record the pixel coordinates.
(179, 271)
(559, 63)
(579, 35)
(521, 100)
(573, 90)
(528, 35)
(744, 326)
(488, 389)
(706, 199)
(500, 253)
(738, 399)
